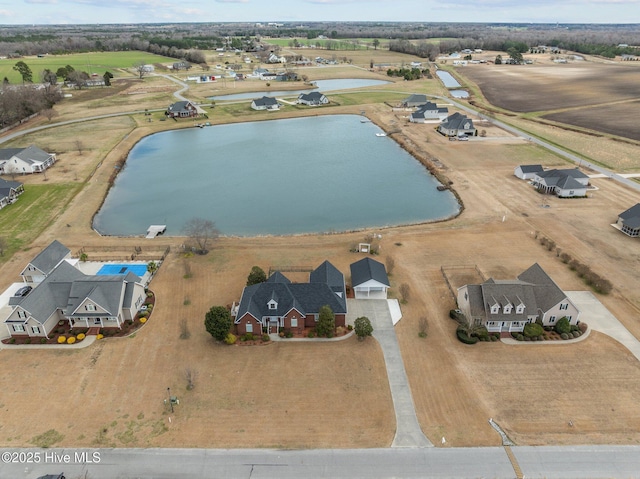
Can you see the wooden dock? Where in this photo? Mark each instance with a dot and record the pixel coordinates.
(155, 230)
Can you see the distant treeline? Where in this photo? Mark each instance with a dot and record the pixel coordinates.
(426, 40)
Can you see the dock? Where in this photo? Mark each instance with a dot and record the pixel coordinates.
(155, 230)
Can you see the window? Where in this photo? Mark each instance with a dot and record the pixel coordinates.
(90, 307)
(564, 306)
(552, 319)
(272, 304)
(495, 309)
(249, 328)
(294, 322)
(466, 296)
(520, 309)
(18, 328)
(97, 321)
(35, 329)
(22, 314)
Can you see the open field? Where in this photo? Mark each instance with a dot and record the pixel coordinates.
(586, 94)
(93, 62)
(337, 393)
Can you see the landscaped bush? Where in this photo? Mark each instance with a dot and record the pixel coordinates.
(149, 294)
(493, 338)
(62, 339)
(143, 320)
(350, 327)
(81, 336)
(12, 341)
(457, 315)
(563, 325)
(100, 336)
(266, 338)
(564, 336)
(312, 334)
(43, 340)
(248, 337)
(71, 339)
(230, 339)
(533, 329)
(27, 341)
(481, 333)
(462, 336)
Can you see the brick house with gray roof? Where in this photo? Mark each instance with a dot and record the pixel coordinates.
(508, 305)
(182, 109)
(629, 221)
(278, 304)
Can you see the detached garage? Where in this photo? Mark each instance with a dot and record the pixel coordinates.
(369, 279)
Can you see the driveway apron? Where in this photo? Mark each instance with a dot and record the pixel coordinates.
(408, 432)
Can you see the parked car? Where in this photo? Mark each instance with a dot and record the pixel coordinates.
(463, 138)
(25, 290)
(53, 476)
(452, 138)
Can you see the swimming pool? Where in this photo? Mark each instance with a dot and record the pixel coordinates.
(110, 269)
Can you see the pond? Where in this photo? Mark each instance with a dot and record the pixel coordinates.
(279, 177)
(448, 79)
(459, 93)
(323, 86)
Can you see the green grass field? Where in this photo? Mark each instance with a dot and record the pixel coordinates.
(36, 208)
(93, 62)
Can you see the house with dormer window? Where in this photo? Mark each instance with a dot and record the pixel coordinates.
(64, 293)
(278, 304)
(508, 305)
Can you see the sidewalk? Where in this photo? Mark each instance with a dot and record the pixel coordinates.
(86, 342)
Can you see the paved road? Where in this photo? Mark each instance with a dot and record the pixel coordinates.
(595, 462)
(408, 431)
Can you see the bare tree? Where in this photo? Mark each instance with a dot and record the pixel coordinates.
(79, 146)
(423, 327)
(141, 68)
(184, 329)
(405, 292)
(3, 245)
(49, 113)
(390, 263)
(190, 375)
(202, 232)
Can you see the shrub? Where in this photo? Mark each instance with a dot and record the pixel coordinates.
(62, 339)
(149, 307)
(60, 330)
(143, 320)
(80, 336)
(43, 340)
(230, 339)
(71, 340)
(149, 294)
(462, 336)
(12, 341)
(312, 334)
(564, 336)
(248, 337)
(481, 333)
(27, 341)
(563, 326)
(493, 338)
(350, 327)
(281, 334)
(100, 336)
(520, 337)
(266, 338)
(532, 329)
(329, 334)
(457, 315)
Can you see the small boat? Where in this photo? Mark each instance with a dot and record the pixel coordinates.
(381, 134)
(365, 120)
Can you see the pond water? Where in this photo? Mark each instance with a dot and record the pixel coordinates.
(459, 93)
(448, 79)
(317, 174)
(323, 86)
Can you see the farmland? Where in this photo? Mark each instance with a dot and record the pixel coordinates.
(337, 393)
(590, 95)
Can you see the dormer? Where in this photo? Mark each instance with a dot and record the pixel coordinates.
(495, 306)
(506, 309)
(272, 304)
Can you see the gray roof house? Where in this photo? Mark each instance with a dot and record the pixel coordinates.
(457, 125)
(428, 111)
(313, 98)
(527, 172)
(265, 103)
(45, 262)
(25, 160)
(278, 304)
(9, 192)
(182, 109)
(563, 183)
(416, 99)
(369, 279)
(85, 301)
(629, 221)
(508, 305)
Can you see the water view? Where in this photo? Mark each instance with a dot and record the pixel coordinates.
(304, 175)
(323, 86)
(448, 79)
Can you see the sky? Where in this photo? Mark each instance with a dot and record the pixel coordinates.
(21, 12)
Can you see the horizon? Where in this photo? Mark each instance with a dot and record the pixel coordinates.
(124, 12)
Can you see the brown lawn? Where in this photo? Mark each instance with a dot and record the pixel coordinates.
(336, 395)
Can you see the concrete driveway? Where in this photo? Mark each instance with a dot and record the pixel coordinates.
(599, 318)
(408, 432)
